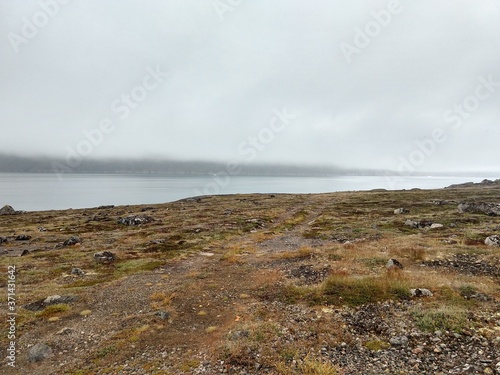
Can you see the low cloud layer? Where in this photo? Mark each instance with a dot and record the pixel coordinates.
(367, 84)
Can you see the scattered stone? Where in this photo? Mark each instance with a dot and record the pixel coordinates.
(493, 240)
(73, 240)
(23, 237)
(105, 207)
(104, 257)
(50, 300)
(421, 292)
(3, 240)
(25, 252)
(39, 352)
(309, 275)
(394, 263)
(163, 315)
(42, 229)
(401, 211)
(436, 226)
(438, 202)
(418, 224)
(7, 210)
(78, 272)
(467, 264)
(417, 350)
(399, 341)
(135, 220)
(491, 209)
(206, 254)
(56, 299)
(64, 331)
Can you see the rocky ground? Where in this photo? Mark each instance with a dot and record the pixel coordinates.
(404, 282)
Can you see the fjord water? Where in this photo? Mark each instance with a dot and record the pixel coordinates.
(33, 192)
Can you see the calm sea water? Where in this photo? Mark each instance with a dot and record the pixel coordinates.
(32, 192)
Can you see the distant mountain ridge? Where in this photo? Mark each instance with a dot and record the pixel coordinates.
(20, 164)
(45, 164)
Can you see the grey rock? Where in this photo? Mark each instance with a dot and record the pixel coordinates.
(421, 292)
(78, 272)
(401, 211)
(73, 240)
(135, 220)
(7, 210)
(105, 207)
(39, 352)
(23, 237)
(399, 341)
(436, 226)
(491, 209)
(64, 331)
(163, 315)
(438, 202)
(493, 240)
(418, 224)
(393, 263)
(105, 257)
(56, 299)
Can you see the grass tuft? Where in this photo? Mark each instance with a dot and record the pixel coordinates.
(448, 318)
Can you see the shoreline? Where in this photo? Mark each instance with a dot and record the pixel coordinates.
(329, 279)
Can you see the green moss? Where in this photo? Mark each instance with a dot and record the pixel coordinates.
(376, 345)
(448, 318)
(53, 310)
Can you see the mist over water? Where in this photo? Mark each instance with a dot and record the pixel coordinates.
(33, 192)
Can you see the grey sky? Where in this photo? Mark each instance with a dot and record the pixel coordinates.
(230, 64)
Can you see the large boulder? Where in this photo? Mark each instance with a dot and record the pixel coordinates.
(7, 210)
(39, 352)
(105, 257)
(73, 240)
(493, 240)
(492, 209)
(50, 300)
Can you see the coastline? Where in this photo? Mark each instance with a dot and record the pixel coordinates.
(259, 283)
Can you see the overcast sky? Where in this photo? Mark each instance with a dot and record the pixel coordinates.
(355, 83)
